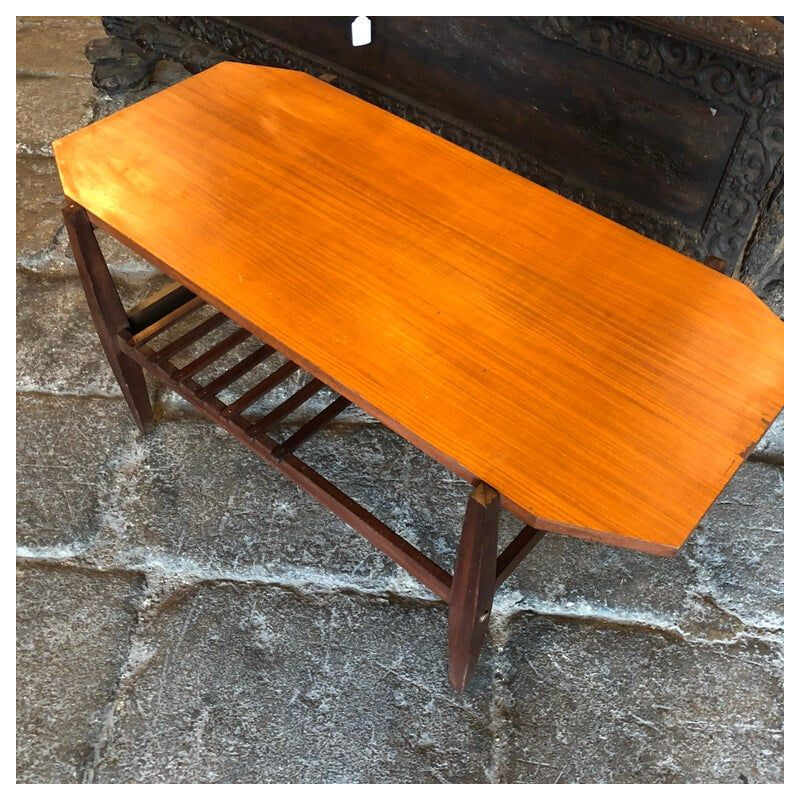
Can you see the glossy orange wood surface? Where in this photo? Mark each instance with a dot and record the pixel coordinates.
(605, 385)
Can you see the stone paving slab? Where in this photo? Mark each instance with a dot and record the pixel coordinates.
(728, 575)
(738, 548)
(42, 243)
(770, 448)
(73, 634)
(39, 202)
(67, 453)
(48, 23)
(593, 704)
(58, 350)
(49, 108)
(250, 684)
(53, 47)
(190, 498)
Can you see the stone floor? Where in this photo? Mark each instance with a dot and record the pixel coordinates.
(186, 614)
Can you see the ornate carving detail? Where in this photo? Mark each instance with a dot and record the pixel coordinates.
(165, 41)
(119, 65)
(257, 48)
(751, 40)
(755, 92)
(762, 265)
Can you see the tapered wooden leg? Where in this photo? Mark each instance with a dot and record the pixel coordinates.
(474, 581)
(107, 312)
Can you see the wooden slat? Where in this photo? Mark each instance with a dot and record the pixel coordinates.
(167, 321)
(158, 305)
(286, 407)
(517, 549)
(212, 354)
(312, 426)
(424, 569)
(237, 371)
(190, 337)
(260, 389)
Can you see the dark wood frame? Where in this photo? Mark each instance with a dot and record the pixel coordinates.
(125, 335)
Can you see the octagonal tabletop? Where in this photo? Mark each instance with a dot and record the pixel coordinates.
(607, 386)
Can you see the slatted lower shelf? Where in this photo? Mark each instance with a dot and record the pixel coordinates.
(154, 318)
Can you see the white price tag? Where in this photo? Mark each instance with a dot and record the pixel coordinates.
(362, 31)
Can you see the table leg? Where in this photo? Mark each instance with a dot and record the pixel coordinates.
(474, 581)
(107, 312)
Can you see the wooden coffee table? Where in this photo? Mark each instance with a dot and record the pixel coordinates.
(592, 382)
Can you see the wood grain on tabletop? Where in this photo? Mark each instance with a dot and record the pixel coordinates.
(604, 384)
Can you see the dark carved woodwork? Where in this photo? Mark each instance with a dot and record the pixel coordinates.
(672, 126)
(120, 65)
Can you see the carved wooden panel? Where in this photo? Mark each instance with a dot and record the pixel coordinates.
(610, 129)
(673, 136)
